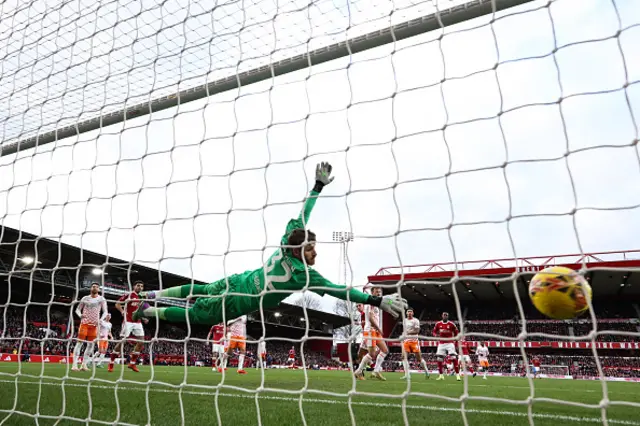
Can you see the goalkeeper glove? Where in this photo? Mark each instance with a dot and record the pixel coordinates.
(323, 176)
(392, 304)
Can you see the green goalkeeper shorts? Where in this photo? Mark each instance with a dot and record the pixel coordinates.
(215, 307)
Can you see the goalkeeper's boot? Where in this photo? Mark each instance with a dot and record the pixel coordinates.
(99, 366)
(74, 368)
(359, 376)
(475, 374)
(440, 377)
(84, 368)
(134, 367)
(458, 377)
(484, 377)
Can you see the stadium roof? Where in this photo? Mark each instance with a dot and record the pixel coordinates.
(22, 253)
(29, 257)
(613, 274)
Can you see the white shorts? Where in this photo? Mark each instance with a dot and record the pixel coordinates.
(291, 360)
(465, 358)
(445, 349)
(536, 369)
(218, 348)
(129, 328)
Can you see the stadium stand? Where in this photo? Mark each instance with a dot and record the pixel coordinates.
(37, 322)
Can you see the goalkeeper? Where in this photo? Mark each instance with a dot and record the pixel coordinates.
(286, 271)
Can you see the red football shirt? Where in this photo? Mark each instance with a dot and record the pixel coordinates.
(445, 329)
(465, 347)
(217, 333)
(131, 306)
(536, 362)
(292, 353)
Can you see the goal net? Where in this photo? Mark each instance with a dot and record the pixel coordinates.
(172, 142)
(555, 370)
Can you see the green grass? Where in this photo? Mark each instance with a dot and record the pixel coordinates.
(199, 395)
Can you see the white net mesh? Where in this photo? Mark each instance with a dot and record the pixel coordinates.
(181, 136)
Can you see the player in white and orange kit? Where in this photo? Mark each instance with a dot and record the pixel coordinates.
(104, 333)
(446, 329)
(261, 361)
(216, 337)
(411, 344)
(373, 339)
(238, 331)
(359, 324)
(89, 310)
(483, 359)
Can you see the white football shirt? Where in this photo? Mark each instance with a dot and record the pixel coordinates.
(482, 352)
(377, 314)
(89, 309)
(412, 328)
(105, 328)
(238, 327)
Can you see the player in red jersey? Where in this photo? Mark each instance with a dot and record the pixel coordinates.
(129, 327)
(535, 361)
(215, 336)
(467, 364)
(292, 357)
(446, 329)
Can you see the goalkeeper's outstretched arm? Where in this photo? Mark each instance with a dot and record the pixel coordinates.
(323, 178)
(393, 303)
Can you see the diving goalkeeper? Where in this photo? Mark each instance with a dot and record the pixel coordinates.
(286, 270)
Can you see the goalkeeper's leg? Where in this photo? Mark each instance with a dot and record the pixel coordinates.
(171, 314)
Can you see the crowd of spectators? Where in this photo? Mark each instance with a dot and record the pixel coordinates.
(166, 344)
(575, 365)
(40, 330)
(545, 330)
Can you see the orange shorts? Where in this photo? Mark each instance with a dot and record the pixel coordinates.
(87, 332)
(237, 342)
(371, 338)
(484, 363)
(411, 347)
(103, 345)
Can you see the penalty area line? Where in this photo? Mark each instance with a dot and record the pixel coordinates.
(549, 416)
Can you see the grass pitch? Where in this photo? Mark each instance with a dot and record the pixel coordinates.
(33, 394)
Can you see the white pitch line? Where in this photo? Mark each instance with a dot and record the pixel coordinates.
(559, 417)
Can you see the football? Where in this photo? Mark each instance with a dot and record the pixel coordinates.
(560, 293)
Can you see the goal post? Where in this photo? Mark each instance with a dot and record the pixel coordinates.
(555, 370)
(464, 10)
(514, 137)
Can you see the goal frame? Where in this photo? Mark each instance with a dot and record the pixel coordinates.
(439, 20)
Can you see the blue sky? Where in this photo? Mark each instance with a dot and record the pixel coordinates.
(207, 188)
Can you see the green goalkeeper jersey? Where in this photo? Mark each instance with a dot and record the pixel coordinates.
(282, 271)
